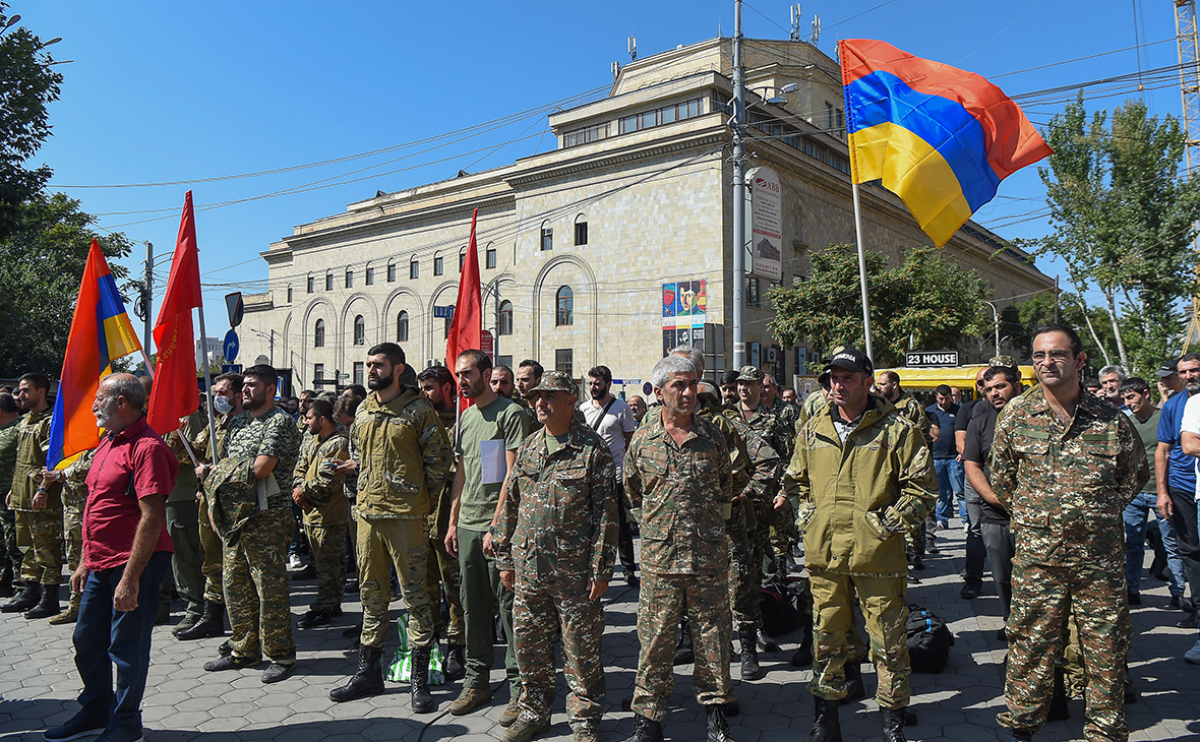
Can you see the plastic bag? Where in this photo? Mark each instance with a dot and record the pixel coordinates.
(400, 670)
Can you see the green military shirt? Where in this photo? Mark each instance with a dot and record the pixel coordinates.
(683, 493)
(773, 429)
(489, 431)
(186, 485)
(763, 464)
(8, 454)
(560, 509)
(272, 434)
(33, 443)
(1066, 486)
(320, 485)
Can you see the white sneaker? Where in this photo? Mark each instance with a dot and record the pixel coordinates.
(294, 562)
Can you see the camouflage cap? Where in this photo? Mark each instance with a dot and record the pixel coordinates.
(1005, 361)
(750, 373)
(555, 381)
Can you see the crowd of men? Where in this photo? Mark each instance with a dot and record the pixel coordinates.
(515, 512)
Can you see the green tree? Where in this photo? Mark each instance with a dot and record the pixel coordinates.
(41, 264)
(1123, 216)
(27, 85)
(1020, 320)
(925, 300)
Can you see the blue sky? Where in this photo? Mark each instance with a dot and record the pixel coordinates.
(164, 92)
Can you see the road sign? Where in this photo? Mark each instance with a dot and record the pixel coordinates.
(231, 368)
(647, 389)
(486, 343)
(233, 302)
(931, 359)
(230, 346)
(261, 360)
(443, 312)
(343, 377)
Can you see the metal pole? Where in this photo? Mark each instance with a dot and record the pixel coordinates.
(272, 348)
(996, 322)
(146, 332)
(739, 193)
(212, 422)
(862, 273)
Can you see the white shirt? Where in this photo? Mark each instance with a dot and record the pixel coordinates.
(616, 423)
(1191, 424)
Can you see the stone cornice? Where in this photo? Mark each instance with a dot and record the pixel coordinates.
(598, 161)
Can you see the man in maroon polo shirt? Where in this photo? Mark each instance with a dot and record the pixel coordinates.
(126, 554)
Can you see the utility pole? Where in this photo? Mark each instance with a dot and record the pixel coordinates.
(739, 192)
(146, 333)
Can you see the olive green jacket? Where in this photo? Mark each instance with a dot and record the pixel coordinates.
(856, 501)
(321, 485)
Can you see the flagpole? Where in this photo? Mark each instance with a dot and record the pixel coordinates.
(212, 422)
(862, 272)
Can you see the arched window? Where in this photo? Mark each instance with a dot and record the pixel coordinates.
(547, 236)
(564, 309)
(349, 278)
(462, 258)
(402, 327)
(311, 283)
(369, 275)
(438, 265)
(391, 276)
(506, 317)
(289, 293)
(329, 282)
(414, 269)
(319, 334)
(489, 256)
(360, 330)
(581, 230)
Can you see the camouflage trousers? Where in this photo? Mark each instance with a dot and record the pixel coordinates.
(328, 544)
(542, 605)
(783, 529)
(743, 579)
(760, 539)
(664, 599)
(256, 591)
(73, 539)
(442, 575)
(210, 544)
(1043, 597)
(836, 642)
(405, 544)
(188, 559)
(10, 557)
(40, 535)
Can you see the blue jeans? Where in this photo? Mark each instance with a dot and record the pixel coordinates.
(951, 480)
(105, 636)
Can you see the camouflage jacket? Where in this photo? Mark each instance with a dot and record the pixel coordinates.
(204, 448)
(683, 493)
(1066, 486)
(438, 519)
(8, 455)
(232, 496)
(855, 501)
(908, 406)
(709, 408)
(33, 443)
(789, 415)
(319, 484)
(403, 456)
(814, 404)
(271, 434)
(764, 466)
(560, 509)
(186, 485)
(773, 429)
(74, 492)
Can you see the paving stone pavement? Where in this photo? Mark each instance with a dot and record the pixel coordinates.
(38, 683)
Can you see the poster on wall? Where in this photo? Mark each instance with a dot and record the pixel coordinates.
(766, 224)
(685, 307)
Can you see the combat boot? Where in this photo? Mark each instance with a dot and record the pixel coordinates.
(422, 701)
(766, 643)
(645, 730)
(456, 666)
(781, 571)
(750, 667)
(718, 726)
(855, 690)
(368, 680)
(685, 653)
(893, 725)
(826, 727)
(69, 615)
(48, 606)
(211, 623)
(30, 595)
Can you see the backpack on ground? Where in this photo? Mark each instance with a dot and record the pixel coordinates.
(929, 641)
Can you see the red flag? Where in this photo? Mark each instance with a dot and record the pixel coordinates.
(467, 325)
(175, 393)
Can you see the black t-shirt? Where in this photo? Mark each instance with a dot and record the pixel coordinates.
(981, 429)
(965, 413)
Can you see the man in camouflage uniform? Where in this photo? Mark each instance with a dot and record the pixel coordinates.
(1065, 464)
(774, 527)
(443, 575)
(529, 375)
(862, 476)
(888, 384)
(10, 555)
(226, 399)
(254, 569)
(183, 520)
(318, 493)
(401, 456)
(678, 480)
(38, 506)
(788, 413)
(74, 496)
(555, 547)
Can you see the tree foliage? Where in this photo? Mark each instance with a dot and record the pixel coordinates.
(926, 300)
(41, 264)
(1123, 216)
(27, 85)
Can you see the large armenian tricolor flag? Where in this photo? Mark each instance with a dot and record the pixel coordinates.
(100, 333)
(940, 138)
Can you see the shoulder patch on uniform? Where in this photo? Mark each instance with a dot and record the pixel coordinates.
(1041, 435)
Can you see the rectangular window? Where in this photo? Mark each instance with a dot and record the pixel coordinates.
(564, 360)
(414, 270)
(659, 116)
(437, 266)
(753, 298)
(504, 361)
(829, 116)
(311, 282)
(446, 330)
(329, 282)
(462, 258)
(391, 272)
(289, 294)
(349, 279)
(547, 239)
(581, 233)
(318, 371)
(358, 372)
(490, 257)
(370, 277)
(585, 135)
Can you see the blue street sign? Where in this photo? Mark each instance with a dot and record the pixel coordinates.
(443, 312)
(231, 368)
(230, 347)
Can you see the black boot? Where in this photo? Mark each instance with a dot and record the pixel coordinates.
(893, 725)
(211, 623)
(684, 651)
(1058, 702)
(645, 730)
(855, 690)
(781, 571)
(456, 666)
(826, 727)
(422, 702)
(750, 667)
(368, 680)
(766, 643)
(30, 595)
(718, 727)
(48, 606)
(6, 583)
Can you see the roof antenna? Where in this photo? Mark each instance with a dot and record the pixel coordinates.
(632, 43)
(816, 28)
(616, 70)
(795, 22)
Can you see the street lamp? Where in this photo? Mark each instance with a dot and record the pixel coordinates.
(269, 338)
(778, 99)
(996, 321)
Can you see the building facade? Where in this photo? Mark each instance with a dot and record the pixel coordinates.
(610, 248)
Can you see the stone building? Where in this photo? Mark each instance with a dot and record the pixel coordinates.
(609, 247)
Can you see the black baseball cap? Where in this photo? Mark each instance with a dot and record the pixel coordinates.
(1168, 368)
(851, 359)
